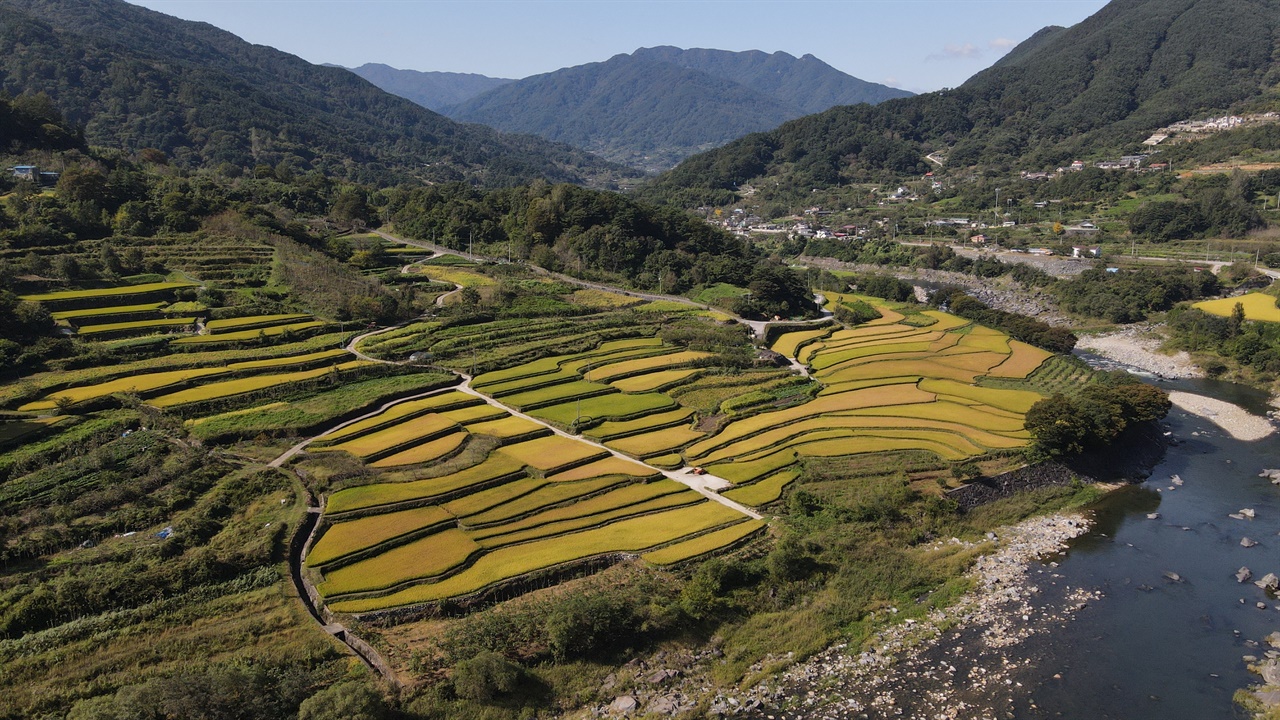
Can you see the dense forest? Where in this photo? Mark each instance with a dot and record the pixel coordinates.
(134, 79)
(598, 235)
(1101, 85)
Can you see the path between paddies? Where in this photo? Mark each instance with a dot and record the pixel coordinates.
(705, 484)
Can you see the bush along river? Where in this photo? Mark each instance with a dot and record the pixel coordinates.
(1139, 607)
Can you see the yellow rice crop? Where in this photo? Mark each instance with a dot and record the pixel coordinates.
(923, 368)
(656, 442)
(155, 325)
(424, 453)
(827, 362)
(605, 466)
(123, 290)
(653, 380)
(1018, 401)
(233, 323)
(1257, 306)
(426, 557)
(548, 453)
(867, 397)
(763, 492)
(249, 334)
(629, 367)
(474, 414)
(614, 405)
(1022, 362)
(946, 321)
(604, 299)
(395, 435)
(846, 386)
(561, 527)
(790, 342)
(458, 276)
(977, 417)
(506, 427)
(871, 422)
(289, 360)
(630, 535)
(703, 544)
(136, 383)
(982, 341)
(490, 498)
(863, 445)
(111, 310)
(344, 538)
(231, 388)
(547, 503)
(979, 362)
(443, 400)
(378, 494)
(614, 428)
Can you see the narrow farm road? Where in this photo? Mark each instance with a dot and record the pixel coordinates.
(705, 485)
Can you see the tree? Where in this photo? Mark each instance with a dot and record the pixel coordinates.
(1237, 319)
(349, 700)
(484, 677)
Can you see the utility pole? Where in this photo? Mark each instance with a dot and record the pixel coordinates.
(471, 239)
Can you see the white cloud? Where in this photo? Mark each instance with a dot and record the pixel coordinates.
(1002, 44)
(967, 51)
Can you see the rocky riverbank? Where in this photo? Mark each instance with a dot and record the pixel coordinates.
(1138, 346)
(955, 663)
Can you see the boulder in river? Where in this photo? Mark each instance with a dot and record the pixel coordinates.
(1173, 577)
(1243, 575)
(1153, 516)
(1269, 582)
(1247, 542)
(1249, 513)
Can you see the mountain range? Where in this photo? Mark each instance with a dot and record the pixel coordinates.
(134, 78)
(436, 91)
(650, 108)
(1100, 86)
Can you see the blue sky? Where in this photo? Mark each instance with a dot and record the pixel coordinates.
(919, 45)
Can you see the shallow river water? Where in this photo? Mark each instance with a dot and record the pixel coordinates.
(1152, 647)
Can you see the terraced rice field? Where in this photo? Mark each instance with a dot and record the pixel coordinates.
(1257, 306)
(888, 386)
(704, 544)
(244, 386)
(605, 407)
(253, 322)
(144, 383)
(635, 534)
(105, 295)
(136, 327)
(636, 367)
(254, 334)
(553, 453)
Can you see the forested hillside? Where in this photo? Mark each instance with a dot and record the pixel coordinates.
(1100, 86)
(655, 106)
(133, 78)
(436, 91)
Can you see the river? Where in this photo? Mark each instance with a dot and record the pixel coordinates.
(1152, 647)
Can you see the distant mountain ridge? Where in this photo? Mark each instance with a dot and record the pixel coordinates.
(657, 105)
(135, 78)
(1099, 86)
(435, 91)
